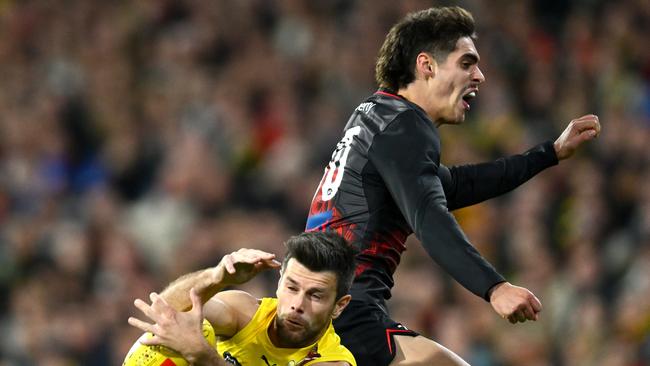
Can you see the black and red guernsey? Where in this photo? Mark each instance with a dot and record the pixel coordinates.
(385, 181)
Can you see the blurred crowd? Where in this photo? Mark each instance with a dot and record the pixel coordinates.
(140, 140)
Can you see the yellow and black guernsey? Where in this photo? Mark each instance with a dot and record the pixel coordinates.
(252, 346)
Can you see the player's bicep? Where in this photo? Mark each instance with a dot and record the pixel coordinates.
(229, 312)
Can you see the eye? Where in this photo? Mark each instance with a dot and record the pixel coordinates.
(316, 296)
(292, 288)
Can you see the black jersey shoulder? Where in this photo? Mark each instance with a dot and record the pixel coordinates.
(382, 108)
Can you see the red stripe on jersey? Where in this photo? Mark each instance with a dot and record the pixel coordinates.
(390, 340)
(381, 92)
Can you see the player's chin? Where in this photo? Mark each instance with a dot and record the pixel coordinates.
(458, 118)
(295, 338)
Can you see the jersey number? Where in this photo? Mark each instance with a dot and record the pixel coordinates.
(336, 167)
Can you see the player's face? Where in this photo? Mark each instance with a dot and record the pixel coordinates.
(306, 303)
(456, 82)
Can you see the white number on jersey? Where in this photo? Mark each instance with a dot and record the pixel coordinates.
(336, 167)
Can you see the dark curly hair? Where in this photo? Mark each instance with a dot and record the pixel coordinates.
(434, 30)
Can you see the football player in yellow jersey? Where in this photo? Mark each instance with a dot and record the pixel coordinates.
(293, 330)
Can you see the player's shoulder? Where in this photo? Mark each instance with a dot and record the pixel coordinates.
(385, 108)
(239, 303)
(229, 311)
(385, 103)
(373, 122)
(237, 298)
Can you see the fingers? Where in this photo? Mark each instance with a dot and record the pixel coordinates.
(273, 263)
(521, 315)
(159, 305)
(267, 264)
(151, 341)
(512, 318)
(528, 313)
(252, 256)
(536, 304)
(229, 263)
(519, 305)
(144, 326)
(197, 305)
(144, 308)
(586, 123)
(260, 259)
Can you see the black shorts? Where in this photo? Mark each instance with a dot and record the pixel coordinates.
(369, 333)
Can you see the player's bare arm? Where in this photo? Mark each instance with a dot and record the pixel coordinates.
(233, 269)
(230, 311)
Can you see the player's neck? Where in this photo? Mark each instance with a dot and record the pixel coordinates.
(419, 92)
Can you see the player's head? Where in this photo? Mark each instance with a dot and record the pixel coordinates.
(436, 46)
(323, 252)
(434, 30)
(317, 273)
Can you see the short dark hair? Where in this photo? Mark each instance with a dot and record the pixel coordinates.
(324, 251)
(434, 30)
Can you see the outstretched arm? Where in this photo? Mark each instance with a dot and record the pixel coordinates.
(466, 185)
(411, 177)
(469, 184)
(233, 269)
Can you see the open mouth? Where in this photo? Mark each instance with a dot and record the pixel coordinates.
(469, 96)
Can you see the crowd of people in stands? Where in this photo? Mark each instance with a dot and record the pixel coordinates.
(140, 140)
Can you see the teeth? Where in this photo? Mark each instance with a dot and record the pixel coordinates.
(472, 94)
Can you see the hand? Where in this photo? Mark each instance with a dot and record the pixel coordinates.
(240, 266)
(515, 303)
(578, 131)
(180, 331)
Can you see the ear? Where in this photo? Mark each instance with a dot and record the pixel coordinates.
(340, 305)
(425, 65)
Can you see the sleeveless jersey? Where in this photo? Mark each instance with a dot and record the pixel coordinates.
(252, 346)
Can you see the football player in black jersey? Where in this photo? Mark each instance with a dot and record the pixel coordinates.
(385, 181)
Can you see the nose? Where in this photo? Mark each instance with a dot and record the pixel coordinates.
(297, 304)
(478, 76)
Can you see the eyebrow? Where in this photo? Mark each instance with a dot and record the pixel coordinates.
(312, 290)
(471, 56)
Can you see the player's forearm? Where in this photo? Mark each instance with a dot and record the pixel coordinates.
(466, 185)
(446, 244)
(207, 283)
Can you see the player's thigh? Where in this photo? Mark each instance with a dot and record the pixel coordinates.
(412, 351)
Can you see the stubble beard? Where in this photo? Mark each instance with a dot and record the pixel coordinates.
(295, 339)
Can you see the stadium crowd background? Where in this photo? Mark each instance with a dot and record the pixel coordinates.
(140, 140)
